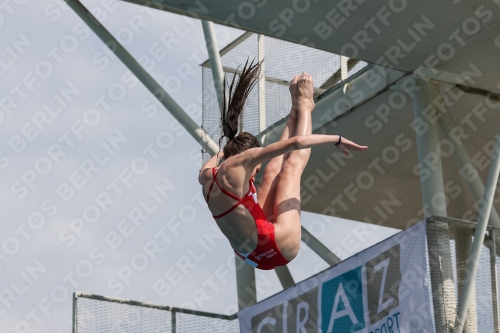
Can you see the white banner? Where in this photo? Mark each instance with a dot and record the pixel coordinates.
(383, 289)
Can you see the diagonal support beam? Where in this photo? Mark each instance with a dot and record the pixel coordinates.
(163, 97)
(462, 159)
(482, 224)
(328, 109)
(319, 248)
(284, 276)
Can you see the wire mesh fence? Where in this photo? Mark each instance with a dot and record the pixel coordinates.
(283, 60)
(95, 314)
(449, 243)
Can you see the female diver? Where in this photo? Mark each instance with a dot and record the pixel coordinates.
(263, 226)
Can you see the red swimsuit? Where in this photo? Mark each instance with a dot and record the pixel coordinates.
(266, 255)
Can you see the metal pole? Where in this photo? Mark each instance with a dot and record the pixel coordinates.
(245, 276)
(284, 276)
(215, 62)
(174, 322)
(321, 250)
(494, 283)
(462, 159)
(344, 69)
(241, 120)
(482, 224)
(344, 75)
(75, 326)
(262, 84)
(433, 196)
(463, 241)
(196, 132)
(245, 283)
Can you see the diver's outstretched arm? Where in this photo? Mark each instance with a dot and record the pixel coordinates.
(255, 156)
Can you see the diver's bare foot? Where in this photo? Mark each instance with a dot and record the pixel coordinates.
(305, 97)
(293, 95)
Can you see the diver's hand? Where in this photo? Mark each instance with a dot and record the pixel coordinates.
(346, 145)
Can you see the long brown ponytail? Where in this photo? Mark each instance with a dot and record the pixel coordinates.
(235, 103)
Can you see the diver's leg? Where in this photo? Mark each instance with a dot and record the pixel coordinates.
(287, 198)
(267, 187)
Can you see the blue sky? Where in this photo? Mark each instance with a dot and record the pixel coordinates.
(99, 182)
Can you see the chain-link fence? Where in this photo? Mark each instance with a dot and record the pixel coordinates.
(449, 243)
(96, 314)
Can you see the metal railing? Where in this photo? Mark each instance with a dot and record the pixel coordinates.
(98, 310)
